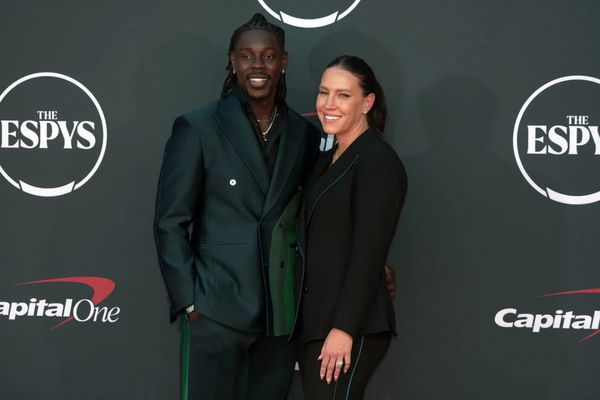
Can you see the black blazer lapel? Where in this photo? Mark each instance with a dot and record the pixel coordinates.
(292, 138)
(335, 172)
(236, 127)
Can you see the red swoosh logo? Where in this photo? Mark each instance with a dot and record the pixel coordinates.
(101, 288)
(580, 291)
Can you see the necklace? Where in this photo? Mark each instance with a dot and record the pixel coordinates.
(272, 119)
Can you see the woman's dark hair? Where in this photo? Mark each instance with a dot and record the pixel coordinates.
(259, 22)
(377, 115)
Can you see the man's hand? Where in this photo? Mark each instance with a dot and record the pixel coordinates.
(191, 314)
(390, 280)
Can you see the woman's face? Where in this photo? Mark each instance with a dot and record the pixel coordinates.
(341, 104)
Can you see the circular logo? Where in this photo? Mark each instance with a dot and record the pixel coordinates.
(309, 22)
(52, 134)
(556, 140)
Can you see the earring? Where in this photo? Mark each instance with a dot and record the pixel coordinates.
(283, 72)
(233, 71)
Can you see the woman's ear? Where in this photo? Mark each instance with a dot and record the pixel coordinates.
(368, 102)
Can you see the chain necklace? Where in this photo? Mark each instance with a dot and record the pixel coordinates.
(272, 119)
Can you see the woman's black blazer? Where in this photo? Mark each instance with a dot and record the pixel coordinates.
(346, 223)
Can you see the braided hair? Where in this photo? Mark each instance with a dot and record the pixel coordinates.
(259, 22)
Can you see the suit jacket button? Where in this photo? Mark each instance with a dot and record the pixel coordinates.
(305, 289)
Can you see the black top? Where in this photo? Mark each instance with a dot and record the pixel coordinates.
(269, 147)
(347, 220)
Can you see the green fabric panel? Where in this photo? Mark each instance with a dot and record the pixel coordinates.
(282, 260)
(289, 283)
(185, 357)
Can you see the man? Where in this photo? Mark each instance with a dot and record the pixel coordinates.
(231, 175)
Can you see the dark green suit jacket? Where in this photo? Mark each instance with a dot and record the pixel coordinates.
(216, 209)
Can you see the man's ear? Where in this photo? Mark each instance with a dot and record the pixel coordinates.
(284, 60)
(233, 59)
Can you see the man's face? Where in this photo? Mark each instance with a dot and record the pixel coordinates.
(258, 61)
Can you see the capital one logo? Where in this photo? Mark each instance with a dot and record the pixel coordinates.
(316, 22)
(52, 134)
(556, 140)
(559, 320)
(69, 309)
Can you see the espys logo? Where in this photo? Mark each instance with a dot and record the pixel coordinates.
(513, 318)
(556, 140)
(310, 22)
(81, 310)
(52, 134)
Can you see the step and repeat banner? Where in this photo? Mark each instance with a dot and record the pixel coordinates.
(494, 109)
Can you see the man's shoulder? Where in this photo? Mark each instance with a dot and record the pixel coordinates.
(301, 122)
(201, 114)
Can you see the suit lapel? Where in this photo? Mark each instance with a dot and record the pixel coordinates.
(236, 127)
(292, 138)
(335, 172)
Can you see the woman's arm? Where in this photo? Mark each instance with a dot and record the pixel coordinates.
(378, 193)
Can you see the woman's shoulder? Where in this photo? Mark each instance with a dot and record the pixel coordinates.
(379, 167)
(379, 152)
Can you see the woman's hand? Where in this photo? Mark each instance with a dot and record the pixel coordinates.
(335, 354)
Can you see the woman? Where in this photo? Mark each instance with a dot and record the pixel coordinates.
(348, 217)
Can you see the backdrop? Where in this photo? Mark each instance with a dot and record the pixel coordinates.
(494, 110)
